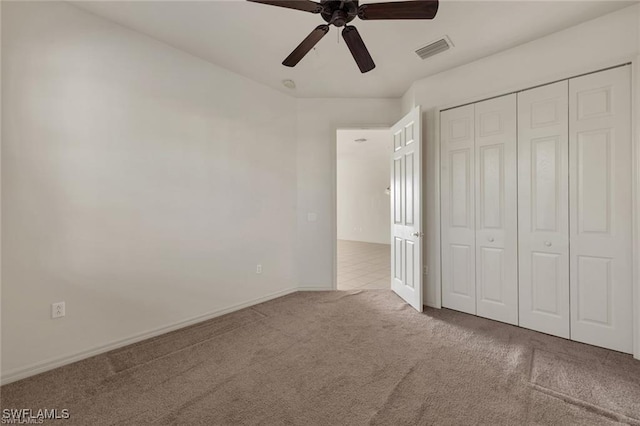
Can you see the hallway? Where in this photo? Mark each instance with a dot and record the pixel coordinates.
(364, 266)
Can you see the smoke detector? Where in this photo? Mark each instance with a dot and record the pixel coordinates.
(289, 84)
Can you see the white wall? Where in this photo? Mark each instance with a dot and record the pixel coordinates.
(606, 41)
(141, 185)
(0, 189)
(408, 100)
(317, 122)
(363, 174)
(636, 112)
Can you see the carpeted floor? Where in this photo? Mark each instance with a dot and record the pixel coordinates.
(343, 358)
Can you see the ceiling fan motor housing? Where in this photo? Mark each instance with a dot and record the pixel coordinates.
(339, 12)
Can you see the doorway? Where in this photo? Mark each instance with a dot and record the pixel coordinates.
(363, 209)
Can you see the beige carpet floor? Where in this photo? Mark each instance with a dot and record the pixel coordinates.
(343, 358)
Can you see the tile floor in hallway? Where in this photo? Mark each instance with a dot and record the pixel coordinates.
(363, 265)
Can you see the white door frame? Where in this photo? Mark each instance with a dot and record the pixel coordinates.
(635, 187)
(334, 189)
(435, 269)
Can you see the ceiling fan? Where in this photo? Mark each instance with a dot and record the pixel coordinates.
(340, 12)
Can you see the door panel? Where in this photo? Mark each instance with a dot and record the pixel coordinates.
(460, 189)
(397, 259)
(457, 138)
(543, 209)
(545, 158)
(397, 139)
(491, 186)
(409, 175)
(594, 291)
(600, 205)
(406, 210)
(396, 188)
(547, 296)
(496, 210)
(594, 181)
(491, 267)
(410, 267)
(462, 271)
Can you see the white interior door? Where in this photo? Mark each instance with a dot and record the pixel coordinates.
(406, 209)
(600, 205)
(543, 208)
(458, 230)
(496, 210)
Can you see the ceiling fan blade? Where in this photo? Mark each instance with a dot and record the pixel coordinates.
(305, 5)
(418, 9)
(306, 45)
(358, 49)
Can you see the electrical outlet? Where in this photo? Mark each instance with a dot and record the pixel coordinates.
(57, 310)
(258, 269)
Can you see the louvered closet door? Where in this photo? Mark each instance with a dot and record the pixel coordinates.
(496, 209)
(457, 209)
(600, 205)
(543, 208)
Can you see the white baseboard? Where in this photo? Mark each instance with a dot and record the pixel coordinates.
(314, 288)
(41, 367)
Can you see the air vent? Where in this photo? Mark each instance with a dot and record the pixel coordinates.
(434, 48)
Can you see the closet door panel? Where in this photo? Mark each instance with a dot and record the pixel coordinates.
(496, 209)
(600, 205)
(543, 209)
(457, 209)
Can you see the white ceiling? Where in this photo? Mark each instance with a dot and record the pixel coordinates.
(252, 39)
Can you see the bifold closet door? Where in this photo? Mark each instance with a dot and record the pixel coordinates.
(496, 209)
(543, 208)
(600, 204)
(457, 191)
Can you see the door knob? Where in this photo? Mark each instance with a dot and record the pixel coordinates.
(547, 243)
(490, 239)
(416, 234)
